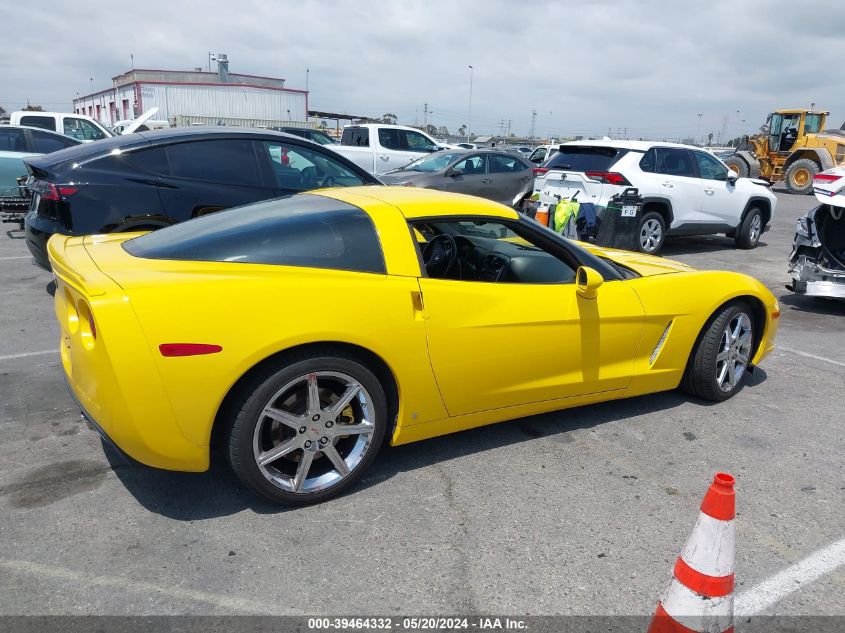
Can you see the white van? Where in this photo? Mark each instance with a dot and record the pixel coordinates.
(76, 126)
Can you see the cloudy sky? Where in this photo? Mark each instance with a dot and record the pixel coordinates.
(648, 66)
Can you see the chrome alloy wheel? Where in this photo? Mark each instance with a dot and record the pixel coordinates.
(314, 432)
(734, 352)
(756, 227)
(651, 234)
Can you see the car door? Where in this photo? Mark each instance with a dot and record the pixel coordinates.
(721, 204)
(467, 176)
(82, 129)
(538, 155)
(402, 147)
(208, 175)
(494, 345)
(675, 179)
(509, 178)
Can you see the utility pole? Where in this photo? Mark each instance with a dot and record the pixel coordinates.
(698, 129)
(533, 125)
(509, 128)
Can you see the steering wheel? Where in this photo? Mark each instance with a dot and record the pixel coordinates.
(440, 255)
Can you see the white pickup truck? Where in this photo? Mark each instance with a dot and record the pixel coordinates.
(381, 148)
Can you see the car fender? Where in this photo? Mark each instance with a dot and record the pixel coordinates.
(819, 154)
(666, 203)
(680, 304)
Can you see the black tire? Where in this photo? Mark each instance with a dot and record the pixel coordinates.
(799, 176)
(701, 378)
(749, 232)
(245, 410)
(737, 164)
(644, 245)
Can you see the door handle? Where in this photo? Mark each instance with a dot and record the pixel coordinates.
(418, 303)
(667, 184)
(486, 181)
(709, 191)
(384, 157)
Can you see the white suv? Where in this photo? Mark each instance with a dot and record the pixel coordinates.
(685, 190)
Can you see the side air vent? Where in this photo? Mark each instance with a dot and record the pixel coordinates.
(659, 345)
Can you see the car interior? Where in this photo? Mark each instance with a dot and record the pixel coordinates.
(487, 251)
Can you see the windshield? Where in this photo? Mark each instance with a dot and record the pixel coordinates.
(433, 162)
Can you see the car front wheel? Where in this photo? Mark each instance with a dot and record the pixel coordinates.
(749, 232)
(718, 364)
(306, 431)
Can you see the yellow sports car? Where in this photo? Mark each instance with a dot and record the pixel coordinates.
(296, 335)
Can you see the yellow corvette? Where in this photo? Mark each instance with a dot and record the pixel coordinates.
(295, 335)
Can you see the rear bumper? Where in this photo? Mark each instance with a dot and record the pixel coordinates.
(38, 232)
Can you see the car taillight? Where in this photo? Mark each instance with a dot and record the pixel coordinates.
(540, 171)
(49, 191)
(608, 177)
(826, 178)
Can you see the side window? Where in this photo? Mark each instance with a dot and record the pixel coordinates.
(674, 161)
(12, 140)
(304, 230)
(506, 253)
(416, 142)
(500, 163)
(648, 162)
(82, 130)
(473, 165)
(230, 161)
(298, 168)
(709, 168)
(44, 122)
(538, 155)
(46, 143)
(389, 139)
(359, 137)
(152, 160)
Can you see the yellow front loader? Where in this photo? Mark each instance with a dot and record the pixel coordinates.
(791, 146)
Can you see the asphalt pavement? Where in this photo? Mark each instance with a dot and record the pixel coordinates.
(578, 512)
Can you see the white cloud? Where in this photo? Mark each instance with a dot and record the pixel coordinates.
(646, 65)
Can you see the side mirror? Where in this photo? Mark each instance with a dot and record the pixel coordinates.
(732, 176)
(589, 280)
(454, 172)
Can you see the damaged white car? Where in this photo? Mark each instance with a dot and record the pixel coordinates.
(817, 263)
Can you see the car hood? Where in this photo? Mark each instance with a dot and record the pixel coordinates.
(400, 176)
(645, 265)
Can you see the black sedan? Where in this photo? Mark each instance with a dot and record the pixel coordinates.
(148, 180)
(505, 177)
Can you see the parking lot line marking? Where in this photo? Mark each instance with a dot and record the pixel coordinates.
(27, 354)
(774, 589)
(16, 257)
(139, 586)
(808, 355)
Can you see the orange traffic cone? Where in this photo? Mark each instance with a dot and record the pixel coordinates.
(700, 596)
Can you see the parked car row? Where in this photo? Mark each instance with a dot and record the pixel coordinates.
(148, 180)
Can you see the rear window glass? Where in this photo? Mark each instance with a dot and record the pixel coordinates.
(585, 158)
(303, 230)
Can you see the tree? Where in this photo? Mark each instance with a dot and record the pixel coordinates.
(2, 111)
(323, 125)
(710, 138)
(32, 108)
(430, 130)
(390, 119)
(462, 130)
(443, 130)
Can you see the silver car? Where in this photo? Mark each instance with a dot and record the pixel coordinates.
(504, 177)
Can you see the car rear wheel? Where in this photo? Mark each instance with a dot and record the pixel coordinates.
(652, 233)
(304, 432)
(749, 232)
(719, 362)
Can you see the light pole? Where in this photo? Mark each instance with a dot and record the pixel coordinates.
(469, 122)
(698, 129)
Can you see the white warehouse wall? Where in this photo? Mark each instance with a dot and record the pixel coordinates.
(230, 101)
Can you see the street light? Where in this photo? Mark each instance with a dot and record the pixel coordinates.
(469, 121)
(698, 129)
